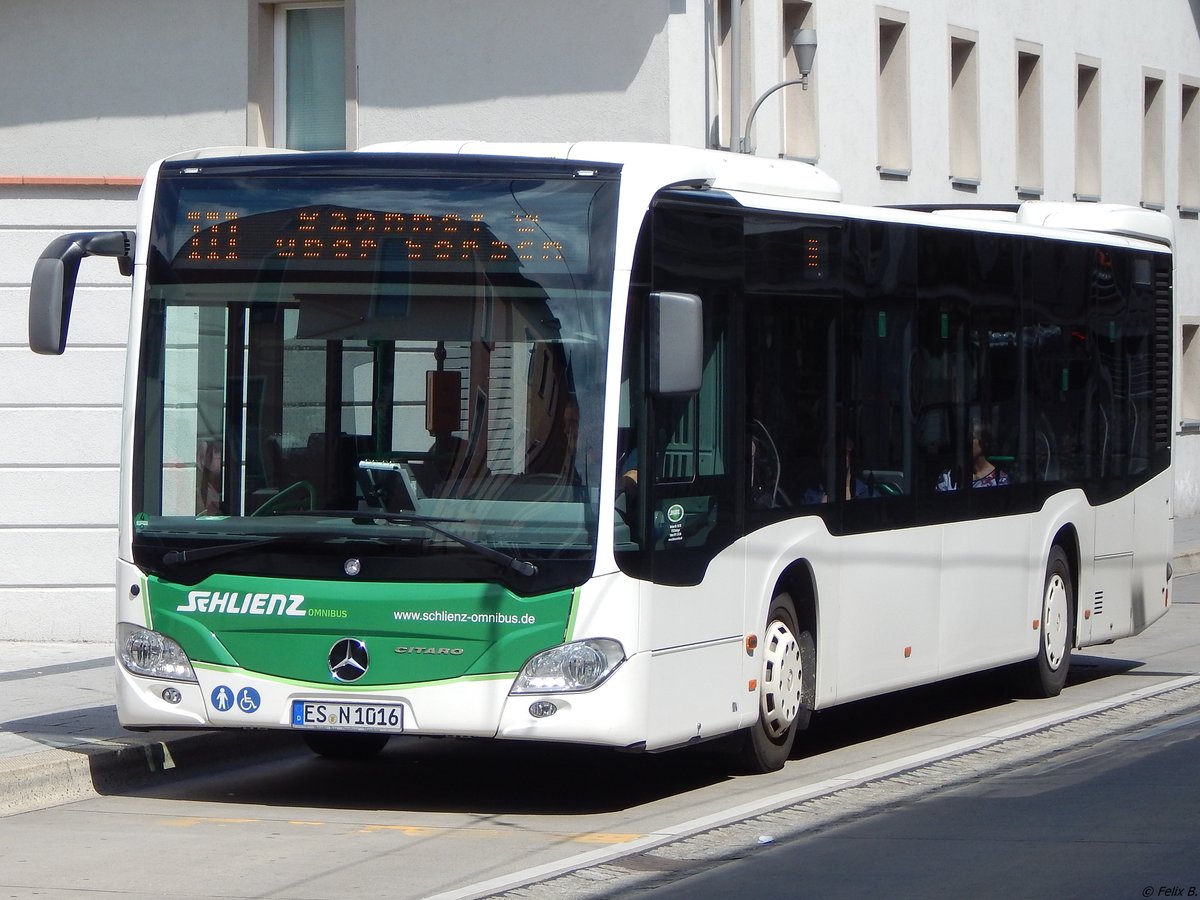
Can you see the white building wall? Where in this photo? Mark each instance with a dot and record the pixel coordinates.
(539, 70)
(60, 426)
(105, 87)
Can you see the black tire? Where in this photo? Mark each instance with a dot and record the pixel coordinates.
(345, 745)
(785, 691)
(1046, 674)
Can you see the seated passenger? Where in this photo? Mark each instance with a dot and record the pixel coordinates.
(983, 472)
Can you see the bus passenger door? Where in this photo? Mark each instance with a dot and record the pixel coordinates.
(694, 616)
(678, 469)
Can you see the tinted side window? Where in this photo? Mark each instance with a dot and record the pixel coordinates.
(946, 374)
(793, 278)
(1059, 361)
(996, 412)
(876, 366)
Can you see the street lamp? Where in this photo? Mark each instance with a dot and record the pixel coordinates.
(804, 43)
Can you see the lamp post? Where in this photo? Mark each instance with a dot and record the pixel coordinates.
(804, 43)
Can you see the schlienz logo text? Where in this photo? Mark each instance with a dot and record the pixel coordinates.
(236, 603)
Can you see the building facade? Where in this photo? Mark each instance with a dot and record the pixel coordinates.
(916, 102)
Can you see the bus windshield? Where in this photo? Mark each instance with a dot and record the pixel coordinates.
(401, 363)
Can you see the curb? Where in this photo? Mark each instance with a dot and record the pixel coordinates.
(52, 777)
(1187, 562)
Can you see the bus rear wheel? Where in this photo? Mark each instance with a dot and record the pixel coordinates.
(1046, 674)
(789, 654)
(345, 745)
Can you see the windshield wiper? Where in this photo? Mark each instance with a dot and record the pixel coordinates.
(178, 557)
(367, 516)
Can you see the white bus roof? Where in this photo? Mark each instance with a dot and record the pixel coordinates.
(1127, 221)
(1101, 218)
(655, 166)
(661, 163)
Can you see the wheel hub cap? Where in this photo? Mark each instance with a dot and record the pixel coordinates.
(1054, 622)
(782, 679)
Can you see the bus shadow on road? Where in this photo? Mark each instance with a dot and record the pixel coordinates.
(462, 775)
(485, 777)
(889, 714)
(1093, 668)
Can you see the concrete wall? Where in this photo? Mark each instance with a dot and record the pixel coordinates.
(104, 88)
(96, 91)
(542, 69)
(60, 426)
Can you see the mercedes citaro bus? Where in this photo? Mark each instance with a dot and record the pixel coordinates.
(618, 444)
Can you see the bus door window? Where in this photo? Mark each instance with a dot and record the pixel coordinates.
(681, 449)
(877, 350)
(876, 448)
(674, 491)
(692, 505)
(999, 447)
(793, 285)
(947, 374)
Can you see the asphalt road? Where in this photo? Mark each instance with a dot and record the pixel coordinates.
(997, 789)
(1115, 819)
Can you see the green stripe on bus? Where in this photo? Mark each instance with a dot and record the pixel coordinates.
(415, 633)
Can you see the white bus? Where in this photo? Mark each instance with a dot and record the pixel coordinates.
(626, 445)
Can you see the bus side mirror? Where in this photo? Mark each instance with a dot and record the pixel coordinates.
(52, 287)
(676, 344)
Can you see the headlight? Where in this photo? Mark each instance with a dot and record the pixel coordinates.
(579, 666)
(145, 652)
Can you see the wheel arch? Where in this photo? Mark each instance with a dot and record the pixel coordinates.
(1067, 538)
(799, 582)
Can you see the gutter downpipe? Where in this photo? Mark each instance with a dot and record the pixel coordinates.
(735, 74)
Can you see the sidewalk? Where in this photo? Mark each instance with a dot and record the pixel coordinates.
(1187, 545)
(60, 740)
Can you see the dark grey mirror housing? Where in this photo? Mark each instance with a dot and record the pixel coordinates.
(52, 287)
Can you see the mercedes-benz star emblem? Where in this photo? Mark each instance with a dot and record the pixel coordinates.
(352, 567)
(348, 660)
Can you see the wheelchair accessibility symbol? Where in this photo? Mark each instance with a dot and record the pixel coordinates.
(248, 700)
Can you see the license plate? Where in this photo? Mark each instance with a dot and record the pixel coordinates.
(339, 716)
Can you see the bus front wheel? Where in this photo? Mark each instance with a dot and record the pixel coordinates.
(1046, 674)
(789, 656)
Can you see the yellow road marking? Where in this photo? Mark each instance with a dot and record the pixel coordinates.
(193, 821)
(408, 830)
(414, 831)
(602, 837)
